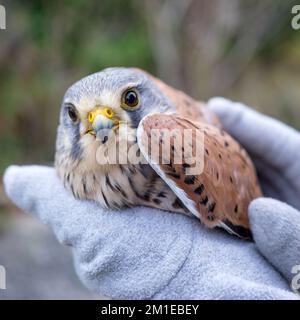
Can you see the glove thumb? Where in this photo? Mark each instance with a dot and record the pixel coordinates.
(276, 231)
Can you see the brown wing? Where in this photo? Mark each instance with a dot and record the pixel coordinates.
(220, 194)
(186, 106)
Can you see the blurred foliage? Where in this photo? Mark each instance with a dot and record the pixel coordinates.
(242, 49)
(47, 46)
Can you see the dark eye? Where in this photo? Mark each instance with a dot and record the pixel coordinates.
(72, 113)
(130, 98)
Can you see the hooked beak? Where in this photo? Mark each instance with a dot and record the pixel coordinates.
(101, 118)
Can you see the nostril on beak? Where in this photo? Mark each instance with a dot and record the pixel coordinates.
(91, 117)
(108, 113)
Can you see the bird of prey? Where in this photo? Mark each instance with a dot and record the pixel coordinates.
(219, 194)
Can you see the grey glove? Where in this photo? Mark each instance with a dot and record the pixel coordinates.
(275, 149)
(144, 253)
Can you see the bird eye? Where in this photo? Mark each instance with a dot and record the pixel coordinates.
(130, 98)
(72, 113)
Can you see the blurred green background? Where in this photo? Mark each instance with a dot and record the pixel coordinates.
(242, 49)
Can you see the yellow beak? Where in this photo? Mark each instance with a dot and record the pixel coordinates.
(101, 118)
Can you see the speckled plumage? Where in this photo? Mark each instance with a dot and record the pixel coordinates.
(119, 185)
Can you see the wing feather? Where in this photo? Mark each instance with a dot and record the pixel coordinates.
(219, 194)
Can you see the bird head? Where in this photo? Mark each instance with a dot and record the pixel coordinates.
(99, 104)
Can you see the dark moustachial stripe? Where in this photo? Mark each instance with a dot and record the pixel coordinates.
(76, 150)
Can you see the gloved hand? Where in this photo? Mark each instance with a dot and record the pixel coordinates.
(275, 149)
(142, 253)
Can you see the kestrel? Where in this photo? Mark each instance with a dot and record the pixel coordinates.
(98, 106)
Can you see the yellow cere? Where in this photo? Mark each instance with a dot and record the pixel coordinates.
(106, 111)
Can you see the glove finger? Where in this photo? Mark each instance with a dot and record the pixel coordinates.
(274, 184)
(276, 231)
(265, 137)
(38, 190)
